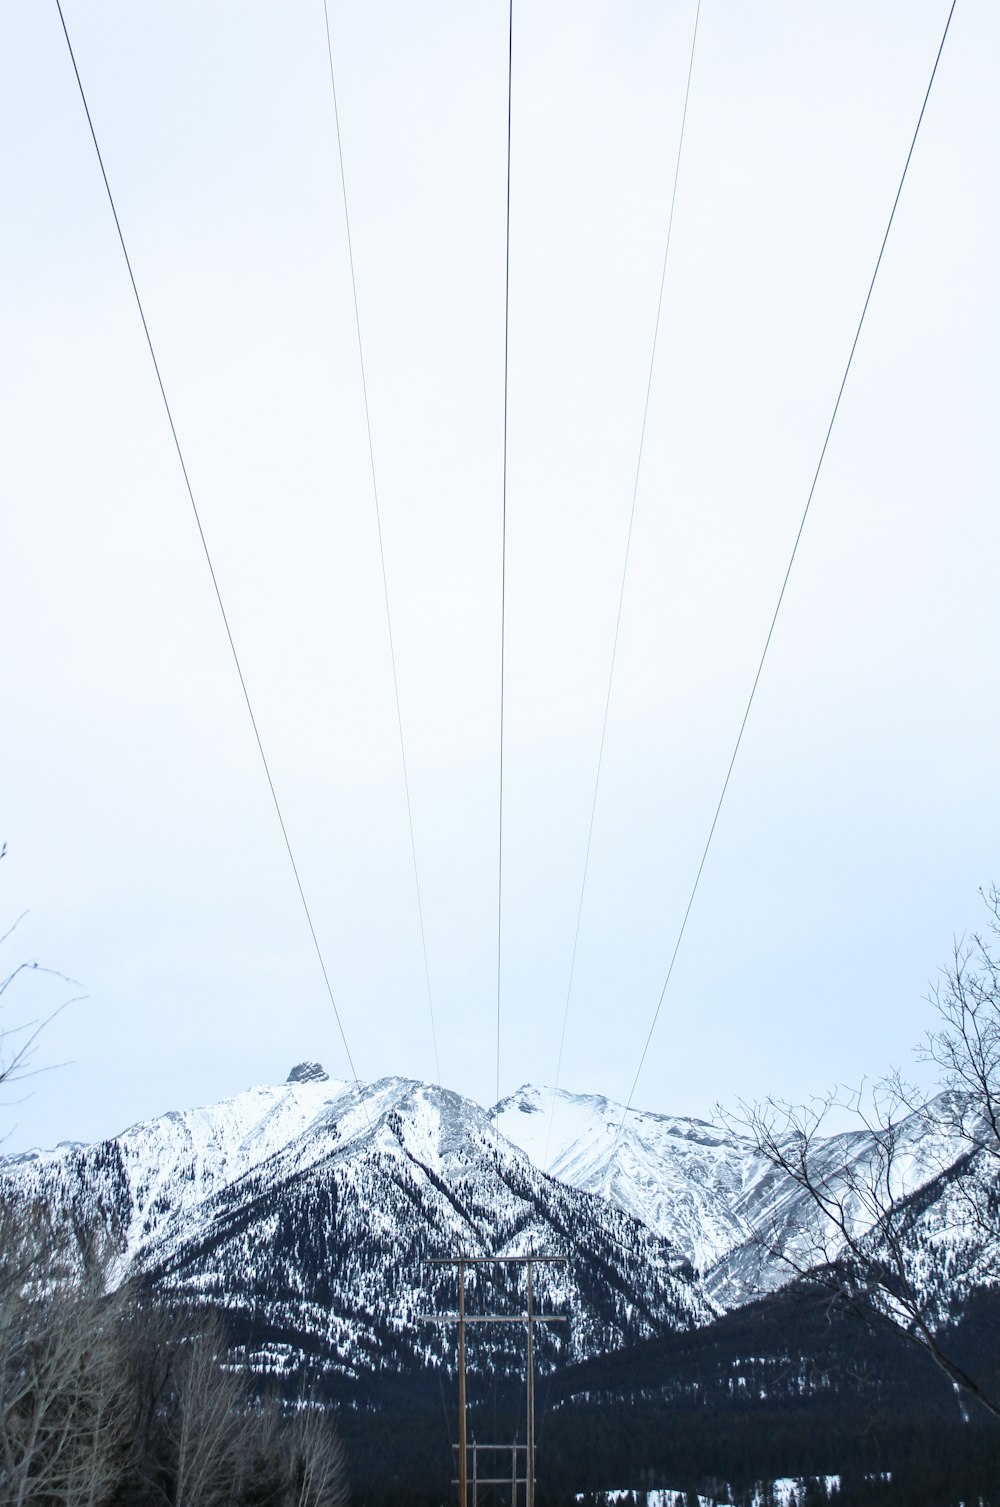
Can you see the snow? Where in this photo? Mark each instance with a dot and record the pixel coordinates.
(703, 1188)
(319, 1202)
(778, 1493)
(708, 1189)
(173, 1163)
(682, 1177)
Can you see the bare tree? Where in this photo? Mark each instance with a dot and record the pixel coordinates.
(203, 1438)
(63, 1407)
(864, 1250)
(194, 1426)
(315, 1468)
(210, 1424)
(107, 1386)
(129, 1390)
(966, 1045)
(19, 1042)
(860, 1234)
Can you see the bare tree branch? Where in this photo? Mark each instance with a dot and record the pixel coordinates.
(853, 1219)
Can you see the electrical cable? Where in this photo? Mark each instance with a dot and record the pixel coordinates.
(208, 560)
(784, 585)
(621, 591)
(503, 559)
(381, 549)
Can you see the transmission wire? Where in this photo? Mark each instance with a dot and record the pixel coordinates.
(784, 584)
(381, 550)
(503, 562)
(208, 558)
(621, 591)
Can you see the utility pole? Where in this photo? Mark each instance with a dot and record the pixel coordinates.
(529, 1318)
(529, 1487)
(463, 1447)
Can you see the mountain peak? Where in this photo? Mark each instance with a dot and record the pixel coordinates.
(308, 1072)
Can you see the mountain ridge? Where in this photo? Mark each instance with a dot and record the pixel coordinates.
(305, 1210)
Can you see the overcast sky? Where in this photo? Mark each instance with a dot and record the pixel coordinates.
(863, 813)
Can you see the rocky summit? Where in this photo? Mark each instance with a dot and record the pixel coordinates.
(308, 1072)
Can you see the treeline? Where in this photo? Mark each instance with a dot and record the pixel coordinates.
(728, 1458)
(404, 1460)
(118, 1398)
(787, 1388)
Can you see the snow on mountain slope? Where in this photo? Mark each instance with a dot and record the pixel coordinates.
(948, 1234)
(786, 1231)
(707, 1188)
(159, 1171)
(306, 1212)
(219, 1198)
(346, 1230)
(682, 1177)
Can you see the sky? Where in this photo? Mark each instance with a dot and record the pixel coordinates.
(863, 812)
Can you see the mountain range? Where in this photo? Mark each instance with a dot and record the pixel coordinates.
(306, 1210)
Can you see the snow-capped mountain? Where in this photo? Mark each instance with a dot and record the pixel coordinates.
(946, 1238)
(707, 1188)
(682, 1177)
(307, 1209)
(156, 1175)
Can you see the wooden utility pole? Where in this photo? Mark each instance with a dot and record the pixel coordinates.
(529, 1319)
(529, 1487)
(463, 1446)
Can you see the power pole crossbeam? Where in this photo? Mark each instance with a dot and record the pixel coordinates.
(493, 1318)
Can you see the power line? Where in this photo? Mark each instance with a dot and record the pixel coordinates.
(381, 549)
(621, 590)
(784, 584)
(503, 541)
(208, 557)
